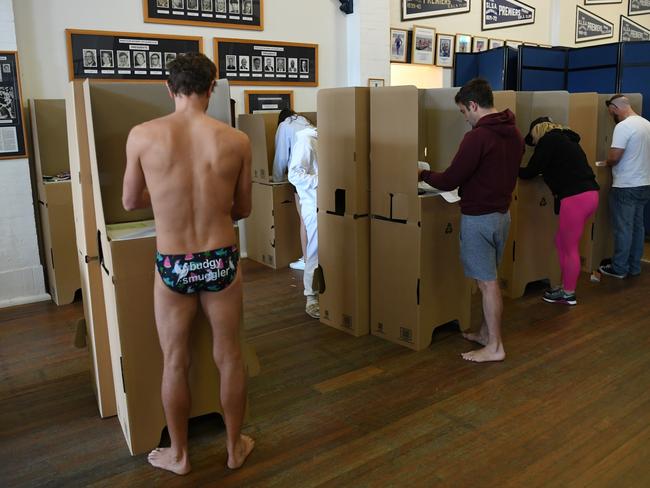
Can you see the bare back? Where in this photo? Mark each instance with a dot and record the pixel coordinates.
(197, 172)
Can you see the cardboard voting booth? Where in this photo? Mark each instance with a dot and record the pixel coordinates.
(416, 278)
(343, 208)
(126, 250)
(530, 250)
(55, 198)
(92, 290)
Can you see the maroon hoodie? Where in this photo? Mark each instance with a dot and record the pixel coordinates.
(485, 167)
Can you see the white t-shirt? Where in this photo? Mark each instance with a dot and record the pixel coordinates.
(633, 135)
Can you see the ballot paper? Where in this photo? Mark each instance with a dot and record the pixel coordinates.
(131, 230)
(449, 196)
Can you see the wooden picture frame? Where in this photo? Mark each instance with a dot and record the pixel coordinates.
(398, 52)
(494, 43)
(445, 50)
(423, 45)
(201, 18)
(479, 44)
(254, 48)
(10, 86)
(463, 43)
(462, 9)
(376, 82)
(122, 38)
(513, 43)
(251, 93)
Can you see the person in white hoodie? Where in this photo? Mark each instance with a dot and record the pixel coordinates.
(289, 123)
(303, 174)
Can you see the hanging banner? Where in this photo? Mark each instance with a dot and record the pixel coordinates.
(498, 14)
(601, 2)
(638, 7)
(419, 9)
(631, 31)
(591, 27)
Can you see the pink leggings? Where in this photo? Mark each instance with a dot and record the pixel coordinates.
(574, 212)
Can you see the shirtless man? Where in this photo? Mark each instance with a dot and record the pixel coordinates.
(195, 172)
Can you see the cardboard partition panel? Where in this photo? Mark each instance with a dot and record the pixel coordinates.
(273, 227)
(55, 198)
(126, 256)
(260, 129)
(92, 289)
(416, 277)
(343, 151)
(344, 256)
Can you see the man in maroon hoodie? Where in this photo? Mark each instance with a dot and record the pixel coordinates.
(485, 170)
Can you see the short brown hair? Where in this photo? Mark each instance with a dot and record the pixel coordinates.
(191, 73)
(478, 91)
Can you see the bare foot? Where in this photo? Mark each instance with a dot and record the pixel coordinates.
(485, 354)
(241, 451)
(479, 337)
(164, 458)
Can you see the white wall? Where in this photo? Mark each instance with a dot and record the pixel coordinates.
(21, 275)
(368, 42)
(40, 28)
(609, 12)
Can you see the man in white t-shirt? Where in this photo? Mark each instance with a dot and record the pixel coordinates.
(629, 158)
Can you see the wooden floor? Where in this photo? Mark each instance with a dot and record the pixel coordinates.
(570, 406)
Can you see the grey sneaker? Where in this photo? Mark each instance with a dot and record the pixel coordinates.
(608, 270)
(313, 310)
(560, 296)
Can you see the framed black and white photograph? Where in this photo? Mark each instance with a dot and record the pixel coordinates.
(12, 121)
(420, 9)
(271, 62)
(423, 44)
(268, 100)
(257, 63)
(376, 82)
(445, 50)
(169, 57)
(106, 58)
(244, 63)
(231, 63)
(494, 43)
(591, 27)
(233, 14)
(479, 44)
(499, 14)
(123, 59)
(630, 31)
(89, 58)
(398, 45)
(155, 60)
(124, 55)
(463, 43)
(638, 7)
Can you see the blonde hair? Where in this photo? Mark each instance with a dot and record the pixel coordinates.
(542, 128)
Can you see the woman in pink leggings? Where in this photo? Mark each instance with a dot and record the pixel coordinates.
(563, 164)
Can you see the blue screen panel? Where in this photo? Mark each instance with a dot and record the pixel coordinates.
(636, 52)
(586, 57)
(492, 67)
(511, 72)
(635, 80)
(540, 80)
(465, 68)
(593, 80)
(542, 57)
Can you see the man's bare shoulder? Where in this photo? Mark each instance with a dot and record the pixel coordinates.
(223, 130)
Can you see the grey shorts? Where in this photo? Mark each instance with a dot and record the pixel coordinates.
(482, 241)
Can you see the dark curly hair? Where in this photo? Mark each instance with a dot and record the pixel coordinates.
(191, 73)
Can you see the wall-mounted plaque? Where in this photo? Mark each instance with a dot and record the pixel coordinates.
(125, 55)
(591, 27)
(498, 14)
(268, 100)
(631, 31)
(419, 9)
(234, 14)
(254, 62)
(12, 118)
